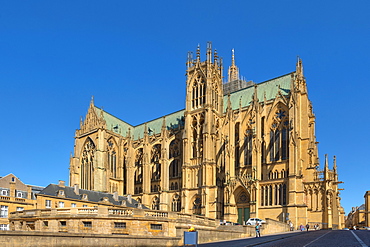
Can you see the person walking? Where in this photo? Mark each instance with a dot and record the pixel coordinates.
(258, 234)
(307, 226)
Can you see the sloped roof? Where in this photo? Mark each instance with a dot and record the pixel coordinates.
(92, 196)
(268, 89)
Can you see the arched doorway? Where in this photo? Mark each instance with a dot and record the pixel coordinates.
(242, 205)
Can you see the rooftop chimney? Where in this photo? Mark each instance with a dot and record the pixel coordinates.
(115, 196)
(62, 183)
(129, 199)
(76, 189)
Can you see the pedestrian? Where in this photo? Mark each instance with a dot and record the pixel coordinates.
(291, 226)
(258, 230)
(301, 227)
(307, 226)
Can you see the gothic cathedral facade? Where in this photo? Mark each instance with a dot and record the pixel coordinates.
(238, 150)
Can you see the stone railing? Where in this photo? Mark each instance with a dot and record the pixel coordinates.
(109, 211)
(123, 212)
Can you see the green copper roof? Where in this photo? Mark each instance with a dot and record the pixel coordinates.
(172, 121)
(114, 124)
(268, 89)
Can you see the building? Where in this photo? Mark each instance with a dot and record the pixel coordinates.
(61, 196)
(15, 196)
(356, 217)
(250, 153)
(367, 208)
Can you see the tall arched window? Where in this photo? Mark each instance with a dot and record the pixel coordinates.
(199, 93)
(279, 137)
(87, 165)
(174, 152)
(112, 158)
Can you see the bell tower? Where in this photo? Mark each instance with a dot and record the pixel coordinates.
(204, 109)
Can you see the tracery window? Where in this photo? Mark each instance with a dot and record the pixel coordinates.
(279, 137)
(112, 158)
(198, 93)
(176, 203)
(175, 168)
(87, 165)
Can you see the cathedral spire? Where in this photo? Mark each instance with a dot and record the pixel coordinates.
(233, 69)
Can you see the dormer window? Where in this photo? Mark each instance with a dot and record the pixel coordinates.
(61, 193)
(84, 197)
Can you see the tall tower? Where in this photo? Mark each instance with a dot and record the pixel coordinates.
(204, 109)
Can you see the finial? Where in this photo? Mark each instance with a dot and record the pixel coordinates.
(209, 51)
(335, 164)
(299, 67)
(92, 101)
(233, 57)
(198, 53)
(215, 56)
(189, 61)
(326, 162)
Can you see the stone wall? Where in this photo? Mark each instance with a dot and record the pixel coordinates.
(47, 239)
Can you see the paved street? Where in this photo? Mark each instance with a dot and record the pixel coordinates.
(327, 238)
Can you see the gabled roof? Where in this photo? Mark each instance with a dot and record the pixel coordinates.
(92, 196)
(268, 89)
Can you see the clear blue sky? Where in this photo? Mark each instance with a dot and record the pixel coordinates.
(54, 55)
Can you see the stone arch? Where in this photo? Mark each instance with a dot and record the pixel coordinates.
(242, 204)
(196, 204)
(176, 203)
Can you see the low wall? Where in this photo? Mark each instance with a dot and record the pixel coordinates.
(47, 239)
(205, 234)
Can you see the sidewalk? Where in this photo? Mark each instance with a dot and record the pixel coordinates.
(252, 241)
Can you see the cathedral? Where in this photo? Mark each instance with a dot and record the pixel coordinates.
(238, 150)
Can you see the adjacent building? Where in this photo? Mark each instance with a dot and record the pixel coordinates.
(61, 196)
(15, 196)
(249, 153)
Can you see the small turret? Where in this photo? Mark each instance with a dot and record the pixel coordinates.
(233, 69)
